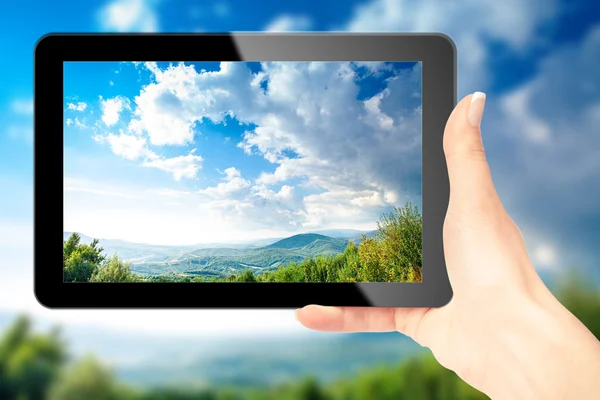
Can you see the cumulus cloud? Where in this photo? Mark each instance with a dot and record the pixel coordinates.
(184, 166)
(470, 23)
(232, 184)
(129, 16)
(80, 106)
(111, 109)
(288, 22)
(309, 123)
(75, 122)
(169, 109)
(127, 146)
(544, 151)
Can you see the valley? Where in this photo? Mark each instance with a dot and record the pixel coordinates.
(218, 260)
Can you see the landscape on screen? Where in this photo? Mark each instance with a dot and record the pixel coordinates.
(242, 172)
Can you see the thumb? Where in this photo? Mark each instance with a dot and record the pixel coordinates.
(471, 186)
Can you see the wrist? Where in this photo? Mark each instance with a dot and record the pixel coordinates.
(543, 352)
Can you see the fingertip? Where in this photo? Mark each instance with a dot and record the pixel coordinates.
(316, 317)
(462, 136)
(476, 107)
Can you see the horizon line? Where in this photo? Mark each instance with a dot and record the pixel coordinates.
(225, 242)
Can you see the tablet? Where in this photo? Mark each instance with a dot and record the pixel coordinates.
(241, 170)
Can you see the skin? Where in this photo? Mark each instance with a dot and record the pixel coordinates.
(503, 332)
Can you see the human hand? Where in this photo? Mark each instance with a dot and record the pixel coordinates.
(503, 332)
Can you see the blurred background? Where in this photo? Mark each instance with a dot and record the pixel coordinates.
(537, 60)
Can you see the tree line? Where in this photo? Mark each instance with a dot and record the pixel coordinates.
(393, 254)
(36, 366)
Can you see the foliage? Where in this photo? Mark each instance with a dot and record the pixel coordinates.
(29, 362)
(80, 261)
(32, 367)
(400, 235)
(114, 270)
(394, 254)
(86, 379)
(86, 263)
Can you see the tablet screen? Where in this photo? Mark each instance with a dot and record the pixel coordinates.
(242, 172)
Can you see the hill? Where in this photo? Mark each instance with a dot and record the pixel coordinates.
(297, 241)
(226, 261)
(341, 233)
(221, 260)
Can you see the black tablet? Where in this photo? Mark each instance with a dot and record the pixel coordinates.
(241, 170)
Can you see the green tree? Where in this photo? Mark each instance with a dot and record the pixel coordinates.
(372, 268)
(87, 379)
(310, 389)
(247, 276)
(114, 270)
(80, 261)
(29, 362)
(401, 236)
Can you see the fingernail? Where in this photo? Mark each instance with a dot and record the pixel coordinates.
(476, 109)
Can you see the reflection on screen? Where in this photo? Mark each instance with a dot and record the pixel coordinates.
(242, 172)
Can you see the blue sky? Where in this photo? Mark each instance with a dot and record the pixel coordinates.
(184, 153)
(537, 60)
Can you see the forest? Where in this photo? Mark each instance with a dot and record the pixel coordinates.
(393, 254)
(37, 366)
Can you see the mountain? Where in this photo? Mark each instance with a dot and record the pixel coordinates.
(358, 238)
(220, 260)
(225, 261)
(298, 241)
(135, 252)
(341, 233)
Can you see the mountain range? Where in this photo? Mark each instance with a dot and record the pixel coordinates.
(222, 259)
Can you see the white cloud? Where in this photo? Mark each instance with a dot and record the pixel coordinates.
(184, 166)
(287, 22)
(129, 16)
(22, 107)
(80, 106)
(127, 146)
(309, 124)
(169, 109)
(470, 23)
(542, 135)
(516, 105)
(76, 122)
(232, 183)
(344, 208)
(111, 108)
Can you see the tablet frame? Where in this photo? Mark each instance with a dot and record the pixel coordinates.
(436, 52)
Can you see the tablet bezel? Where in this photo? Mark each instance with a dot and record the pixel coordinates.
(437, 54)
